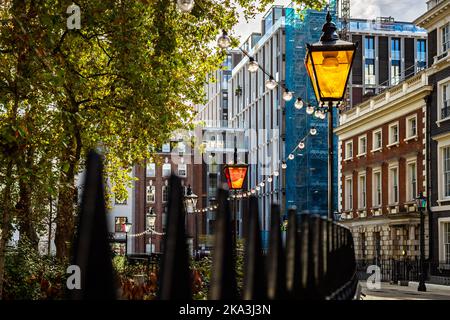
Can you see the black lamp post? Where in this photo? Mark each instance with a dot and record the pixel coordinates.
(127, 229)
(421, 205)
(328, 63)
(235, 174)
(190, 201)
(151, 220)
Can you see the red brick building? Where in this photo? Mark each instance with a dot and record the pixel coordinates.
(151, 194)
(382, 170)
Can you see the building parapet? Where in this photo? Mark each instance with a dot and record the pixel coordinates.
(387, 96)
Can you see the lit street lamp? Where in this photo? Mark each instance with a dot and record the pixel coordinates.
(328, 63)
(127, 229)
(235, 174)
(190, 202)
(421, 201)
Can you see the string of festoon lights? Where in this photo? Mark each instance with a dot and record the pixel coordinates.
(148, 231)
(318, 111)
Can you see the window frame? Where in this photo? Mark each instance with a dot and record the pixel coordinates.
(392, 125)
(360, 153)
(349, 195)
(185, 170)
(362, 191)
(122, 230)
(411, 194)
(440, 100)
(148, 171)
(375, 189)
(147, 193)
(347, 157)
(408, 127)
(380, 130)
(164, 193)
(391, 184)
(164, 168)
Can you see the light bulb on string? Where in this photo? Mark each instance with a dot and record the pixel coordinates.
(262, 184)
(284, 165)
(313, 131)
(298, 104)
(271, 83)
(309, 109)
(253, 191)
(322, 116)
(224, 40)
(252, 66)
(317, 114)
(269, 179)
(276, 173)
(291, 157)
(257, 188)
(301, 145)
(185, 5)
(287, 95)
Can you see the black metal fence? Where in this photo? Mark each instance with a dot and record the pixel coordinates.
(392, 270)
(316, 262)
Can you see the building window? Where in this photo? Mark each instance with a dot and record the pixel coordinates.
(119, 224)
(377, 238)
(377, 189)
(164, 219)
(348, 150)
(445, 101)
(421, 54)
(395, 61)
(166, 147)
(151, 194)
(369, 66)
(166, 170)
(349, 194)
(151, 170)
(446, 242)
(377, 140)
(362, 191)
(182, 170)
(393, 184)
(165, 193)
(411, 127)
(446, 169)
(363, 245)
(362, 145)
(446, 37)
(393, 133)
(412, 182)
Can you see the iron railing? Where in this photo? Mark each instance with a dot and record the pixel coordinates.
(317, 261)
(392, 270)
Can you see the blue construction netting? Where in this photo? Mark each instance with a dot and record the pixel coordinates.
(307, 174)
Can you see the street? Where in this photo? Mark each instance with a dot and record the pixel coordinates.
(396, 292)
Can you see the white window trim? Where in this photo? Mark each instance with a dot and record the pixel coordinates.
(162, 194)
(440, 93)
(374, 189)
(154, 170)
(390, 185)
(408, 192)
(441, 145)
(441, 221)
(148, 188)
(360, 154)
(373, 140)
(408, 137)
(392, 143)
(441, 37)
(185, 170)
(162, 170)
(360, 189)
(345, 150)
(348, 205)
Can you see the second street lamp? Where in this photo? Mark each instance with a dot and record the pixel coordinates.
(421, 205)
(151, 219)
(127, 230)
(235, 174)
(190, 201)
(328, 63)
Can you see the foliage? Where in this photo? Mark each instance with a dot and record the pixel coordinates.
(29, 275)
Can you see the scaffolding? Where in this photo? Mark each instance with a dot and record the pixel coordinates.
(306, 175)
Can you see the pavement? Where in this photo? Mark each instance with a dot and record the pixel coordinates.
(396, 292)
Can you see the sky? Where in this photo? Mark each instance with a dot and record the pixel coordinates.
(401, 10)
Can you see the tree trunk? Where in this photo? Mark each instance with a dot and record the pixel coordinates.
(6, 220)
(64, 213)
